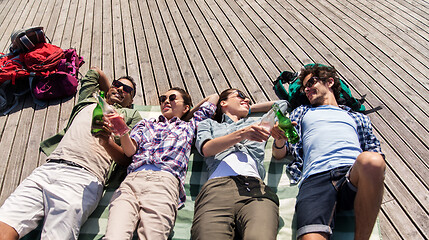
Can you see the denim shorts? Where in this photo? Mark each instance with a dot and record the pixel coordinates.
(320, 197)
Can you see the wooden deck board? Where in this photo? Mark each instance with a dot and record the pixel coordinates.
(252, 40)
(148, 92)
(379, 47)
(369, 18)
(195, 69)
(160, 75)
(221, 70)
(189, 79)
(387, 229)
(9, 22)
(205, 65)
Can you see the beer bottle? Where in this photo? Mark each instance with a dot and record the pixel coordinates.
(286, 125)
(97, 115)
(118, 126)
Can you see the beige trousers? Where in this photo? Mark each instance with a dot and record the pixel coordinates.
(147, 200)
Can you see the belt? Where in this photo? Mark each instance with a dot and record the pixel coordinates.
(70, 163)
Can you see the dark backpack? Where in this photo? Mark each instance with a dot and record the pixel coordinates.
(296, 98)
(10, 94)
(25, 40)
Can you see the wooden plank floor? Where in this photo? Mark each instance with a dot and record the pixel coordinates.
(380, 47)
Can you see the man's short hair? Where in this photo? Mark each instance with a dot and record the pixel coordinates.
(324, 73)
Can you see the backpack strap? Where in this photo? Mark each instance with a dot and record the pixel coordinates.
(27, 42)
(41, 37)
(373, 110)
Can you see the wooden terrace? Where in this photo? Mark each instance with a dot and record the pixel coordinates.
(380, 47)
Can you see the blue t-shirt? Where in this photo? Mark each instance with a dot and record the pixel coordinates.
(330, 139)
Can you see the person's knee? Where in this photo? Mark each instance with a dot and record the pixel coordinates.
(371, 164)
(314, 236)
(7, 232)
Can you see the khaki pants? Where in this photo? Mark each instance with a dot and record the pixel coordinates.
(145, 198)
(64, 196)
(239, 205)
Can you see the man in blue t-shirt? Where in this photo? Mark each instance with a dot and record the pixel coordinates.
(339, 163)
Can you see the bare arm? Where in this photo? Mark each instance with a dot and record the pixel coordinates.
(114, 150)
(280, 142)
(211, 98)
(102, 80)
(279, 149)
(128, 145)
(262, 107)
(217, 145)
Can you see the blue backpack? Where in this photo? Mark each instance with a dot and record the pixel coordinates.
(297, 98)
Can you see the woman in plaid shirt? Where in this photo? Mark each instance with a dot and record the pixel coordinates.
(154, 187)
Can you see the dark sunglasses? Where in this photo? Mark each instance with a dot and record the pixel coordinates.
(241, 95)
(310, 83)
(162, 98)
(118, 84)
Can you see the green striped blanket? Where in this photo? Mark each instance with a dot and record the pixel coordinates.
(95, 226)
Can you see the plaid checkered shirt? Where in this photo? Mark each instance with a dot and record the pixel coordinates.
(166, 144)
(367, 139)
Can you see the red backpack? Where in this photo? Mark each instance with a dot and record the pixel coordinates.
(43, 59)
(11, 68)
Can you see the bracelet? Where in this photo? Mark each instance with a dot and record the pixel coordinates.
(275, 146)
(249, 111)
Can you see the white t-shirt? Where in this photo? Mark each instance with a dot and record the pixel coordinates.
(236, 163)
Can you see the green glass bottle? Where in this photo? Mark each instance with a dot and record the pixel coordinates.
(97, 115)
(286, 125)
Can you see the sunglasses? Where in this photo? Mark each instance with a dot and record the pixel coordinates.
(171, 98)
(310, 83)
(118, 84)
(241, 95)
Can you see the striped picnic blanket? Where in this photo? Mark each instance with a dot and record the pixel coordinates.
(276, 178)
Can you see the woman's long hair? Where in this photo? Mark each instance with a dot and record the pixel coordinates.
(186, 99)
(222, 97)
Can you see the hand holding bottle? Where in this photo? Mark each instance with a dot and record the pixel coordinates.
(286, 125)
(255, 132)
(116, 121)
